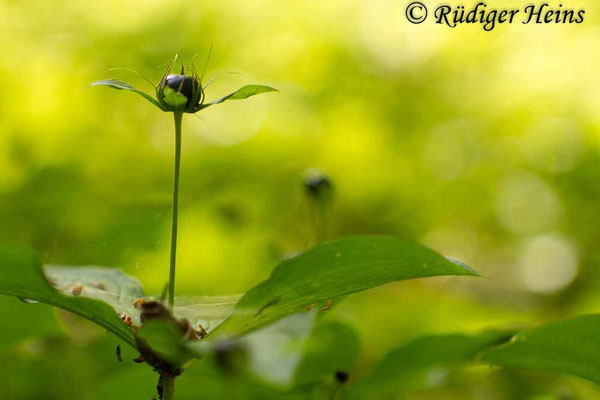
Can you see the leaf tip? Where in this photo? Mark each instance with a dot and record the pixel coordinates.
(463, 265)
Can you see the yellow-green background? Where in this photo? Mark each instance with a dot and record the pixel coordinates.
(481, 145)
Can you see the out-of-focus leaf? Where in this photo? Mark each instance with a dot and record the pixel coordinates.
(21, 275)
(330, 270)
(430, 351)
(570, 346)
(409, 365)
(275, 351)
(271, 354)
(120, 85)
(242, 93)
(109, 285)
(22, 321)
(331, 347)
(164, 338)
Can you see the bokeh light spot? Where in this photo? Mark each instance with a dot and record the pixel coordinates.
(547, 264)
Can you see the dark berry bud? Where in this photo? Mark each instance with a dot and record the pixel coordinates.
(341, 376)
(186, 85)
(316, 184)
(180, 92)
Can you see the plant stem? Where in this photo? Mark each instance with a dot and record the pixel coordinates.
(168, 388)
(178, 117)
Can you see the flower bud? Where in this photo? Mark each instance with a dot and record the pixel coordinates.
(180, 92)
(341, 376)
(317, 185)
(186, 85)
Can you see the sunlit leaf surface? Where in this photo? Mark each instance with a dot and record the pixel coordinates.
(208, 311)
(121, 292)
(21, 275)
(109, 285)
(331, 270)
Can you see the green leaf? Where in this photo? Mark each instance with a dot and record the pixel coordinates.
(109, 285)
(407, 367)
(274, 352)
(120, 85)
(174, 99)
(242, 93)
(570, 346)
(21, 275)
(331, 270)
(161, 340)
(331, 347)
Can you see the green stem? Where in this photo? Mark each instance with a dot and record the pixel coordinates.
(168, 388)
(178, 117)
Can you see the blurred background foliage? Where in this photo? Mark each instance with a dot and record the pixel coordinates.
(481, 145)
